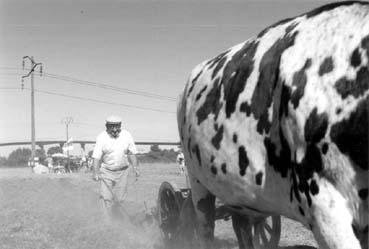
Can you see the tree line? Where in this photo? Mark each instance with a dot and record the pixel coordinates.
(20, 156)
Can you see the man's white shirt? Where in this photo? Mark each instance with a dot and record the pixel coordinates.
(113, 151)
(180, 158)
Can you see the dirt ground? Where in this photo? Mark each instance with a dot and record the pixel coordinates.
(62, 212)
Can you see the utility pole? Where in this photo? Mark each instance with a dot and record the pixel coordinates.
(33, 129)
(67, 121)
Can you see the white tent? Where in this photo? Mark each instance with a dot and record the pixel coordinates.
(40, 169)
(60, 155)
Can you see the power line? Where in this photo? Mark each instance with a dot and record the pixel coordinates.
(10, 88)
(109, 87)
(102, 86)
(88, 99)
(87, 124)
(114, 89)
(100, 101)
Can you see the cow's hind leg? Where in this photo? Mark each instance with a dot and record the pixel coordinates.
(331, 220)
(204, 204)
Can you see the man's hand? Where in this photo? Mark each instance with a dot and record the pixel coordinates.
(133, 161)
(96, 176)
(96, 171)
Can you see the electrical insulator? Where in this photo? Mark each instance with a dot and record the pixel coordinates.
(23, 64)
(41, 70)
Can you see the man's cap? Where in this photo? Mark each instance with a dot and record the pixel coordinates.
(113, 119)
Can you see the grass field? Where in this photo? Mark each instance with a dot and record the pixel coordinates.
(63, 212)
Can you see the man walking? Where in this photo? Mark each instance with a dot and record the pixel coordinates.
(181, 162)
(113, 155)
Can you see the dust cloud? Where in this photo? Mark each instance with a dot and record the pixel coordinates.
(65, 212)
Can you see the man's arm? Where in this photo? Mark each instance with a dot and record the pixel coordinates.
(96, 169)
(134, 162)
(132, 150)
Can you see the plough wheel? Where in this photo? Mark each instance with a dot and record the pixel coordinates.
(265, 232)
(169, 204)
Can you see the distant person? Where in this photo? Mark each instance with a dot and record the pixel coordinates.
(83, 164)
(90, 163)
(50, 165)
(36, 162)
(39, 168)
(30, 163)
(181, 162)
(113, 155)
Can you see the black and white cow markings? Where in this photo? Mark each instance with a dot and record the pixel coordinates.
(331, 6)
(325, 148)
(259, 178)
(197, 152)
(211, 104)
(213, 169)
(363, 194)
(280, 162)
(216, 127)
(326, 66)
(351, 135)
(243, 160)
(217, 139)
(236, 73)
(245, 107)
(299, 81)
(359, 85)
(269, 75)
(235, 138)
(365, 45)
(301, 211)
(315, 127)
(355, 58)
(288, 29)
(218, 62)
(314, 188)
(224, 168)
(193, 83)
(281, 121)
(356, 87)
(198, 96)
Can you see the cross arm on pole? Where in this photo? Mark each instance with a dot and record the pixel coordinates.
(33, 67)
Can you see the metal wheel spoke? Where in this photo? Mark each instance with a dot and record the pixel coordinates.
(266, 232)
(165, 207)
(255, 230)
(263, 237)
(268, 228)
(256, 235)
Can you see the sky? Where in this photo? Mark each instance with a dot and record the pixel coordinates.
(125, 57)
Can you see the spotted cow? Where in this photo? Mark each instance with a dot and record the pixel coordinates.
(279, 124)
